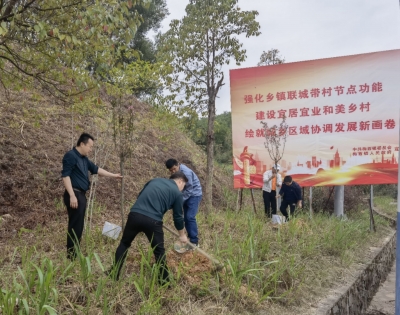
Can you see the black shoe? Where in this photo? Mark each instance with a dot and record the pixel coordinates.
(112, 274)
(71, 257)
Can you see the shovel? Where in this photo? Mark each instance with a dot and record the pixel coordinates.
(218, 264)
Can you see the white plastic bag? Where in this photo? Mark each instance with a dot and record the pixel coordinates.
(276, 219)
(111, 230)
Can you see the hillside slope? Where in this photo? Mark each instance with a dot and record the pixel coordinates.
(35, 133)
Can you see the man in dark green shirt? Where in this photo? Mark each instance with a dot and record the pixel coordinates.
(156, 198)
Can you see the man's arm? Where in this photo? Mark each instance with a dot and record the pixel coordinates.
(177, 213)
(281, 192)
(73, 201)
(267, 179)
(103, 172)
(69, 163)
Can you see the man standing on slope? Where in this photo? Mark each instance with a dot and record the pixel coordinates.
(192, 195)
(272, 180)
(76, 166)
(156, 198)
(291, 193)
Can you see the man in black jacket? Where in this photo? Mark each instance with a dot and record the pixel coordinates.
(291, 193)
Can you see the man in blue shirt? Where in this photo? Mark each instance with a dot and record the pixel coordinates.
(76, 166)
(192, 195)
(291, 193)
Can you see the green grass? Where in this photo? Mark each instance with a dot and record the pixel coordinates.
(386, 205)
(263, 265)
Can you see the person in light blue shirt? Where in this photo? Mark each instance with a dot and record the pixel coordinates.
(192, 194)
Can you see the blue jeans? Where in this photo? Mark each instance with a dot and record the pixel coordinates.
(190, 209)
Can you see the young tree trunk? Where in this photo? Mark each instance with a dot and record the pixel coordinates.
(122, 169)
(210, 155)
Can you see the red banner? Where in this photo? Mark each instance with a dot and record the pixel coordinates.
(342, 113)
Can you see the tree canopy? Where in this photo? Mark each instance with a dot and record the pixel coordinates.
(270, 57)
(152, 15)
(54, 42)
(196, 48)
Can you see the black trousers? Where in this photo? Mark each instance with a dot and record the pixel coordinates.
(283, 208)
(76, 221)
(154, 232)
(269, 201)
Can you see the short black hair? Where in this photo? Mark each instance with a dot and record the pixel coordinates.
(171, 162)
(287, 179)
(179, 175)
(84, 137)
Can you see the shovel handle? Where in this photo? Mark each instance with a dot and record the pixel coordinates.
(215, 261)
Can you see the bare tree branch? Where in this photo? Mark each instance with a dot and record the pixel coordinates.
(275, 139)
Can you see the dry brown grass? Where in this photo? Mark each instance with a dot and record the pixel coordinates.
(35, 133)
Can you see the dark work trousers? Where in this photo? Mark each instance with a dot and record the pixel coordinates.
(153, 230)
(283, 208)
(269, 201)
(76, 220)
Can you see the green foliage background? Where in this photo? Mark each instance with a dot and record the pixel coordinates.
(222, 134)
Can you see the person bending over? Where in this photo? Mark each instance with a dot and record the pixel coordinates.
(146, 215)
(291, 193)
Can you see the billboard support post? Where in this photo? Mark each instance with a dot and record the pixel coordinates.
(339, 201)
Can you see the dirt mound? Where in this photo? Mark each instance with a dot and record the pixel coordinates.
(192, 262)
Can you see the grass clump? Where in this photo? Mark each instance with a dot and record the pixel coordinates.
(387, 205)
(265, 266)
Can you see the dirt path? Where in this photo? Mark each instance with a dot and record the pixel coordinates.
(383, 301)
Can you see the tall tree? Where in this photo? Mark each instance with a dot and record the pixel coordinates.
(52, 42)
(270, 57)
(152, 14)
(222, 136)
(197, 47)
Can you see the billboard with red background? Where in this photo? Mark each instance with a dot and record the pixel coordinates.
(342, 113)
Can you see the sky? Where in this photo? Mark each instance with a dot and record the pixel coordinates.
(310, 29)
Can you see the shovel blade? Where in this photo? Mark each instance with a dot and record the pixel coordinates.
(180, 248)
